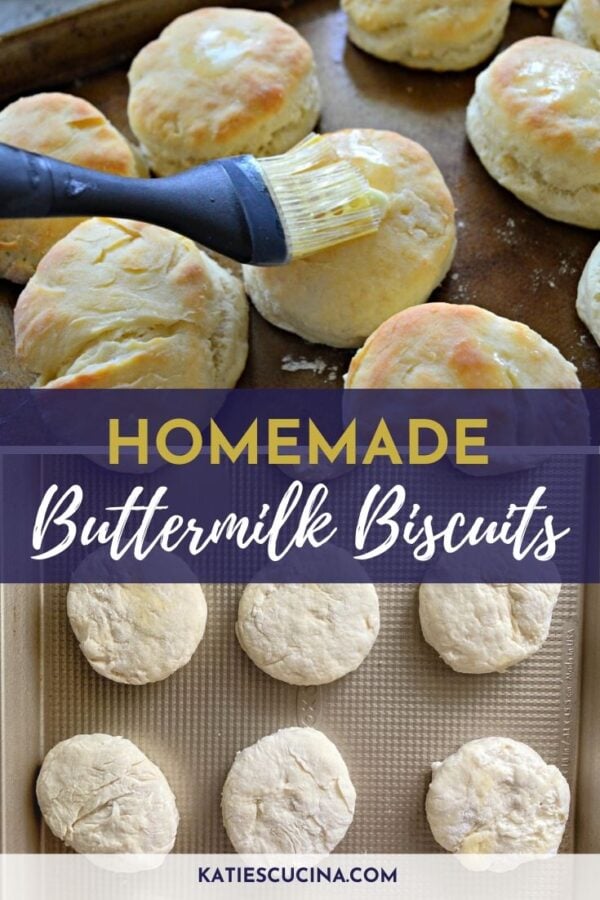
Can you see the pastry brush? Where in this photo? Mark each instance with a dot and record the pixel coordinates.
(259, 211)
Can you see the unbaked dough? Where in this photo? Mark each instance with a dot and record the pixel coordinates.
(496, 795)
(480, 628)
(101, 794)
(288, 793)
(137, 633)
(308, 633)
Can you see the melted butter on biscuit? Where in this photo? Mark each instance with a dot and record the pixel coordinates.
(372, 163)
(564, 82)
(217, 49)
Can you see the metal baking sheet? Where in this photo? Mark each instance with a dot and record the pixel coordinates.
(88, 38)
(510, 259)
(404, 707)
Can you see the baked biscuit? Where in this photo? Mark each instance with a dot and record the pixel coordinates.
(125, 304)
(427, 34)
(220, 82)
(340, 295)
(579, 21)
(534, 122)
(72, 130)
(588, 295)
(442, 345)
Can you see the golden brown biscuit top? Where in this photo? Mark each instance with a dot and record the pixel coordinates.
(139, 282)
(67, 128)
(213, 72)
(342, 293)
(448, 19)
(550, 90)
(442, 345)
(402, 169)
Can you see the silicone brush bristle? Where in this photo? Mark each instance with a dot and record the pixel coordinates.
(322, 200)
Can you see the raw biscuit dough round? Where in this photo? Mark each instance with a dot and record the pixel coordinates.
(288, 793)
(100, 794)
(497, 795)
(479, 628)
(588, 294)
(308, 633)
(137, 633)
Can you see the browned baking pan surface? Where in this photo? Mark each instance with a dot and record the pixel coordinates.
(510, 259)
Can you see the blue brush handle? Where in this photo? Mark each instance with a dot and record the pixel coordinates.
(224, 205)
